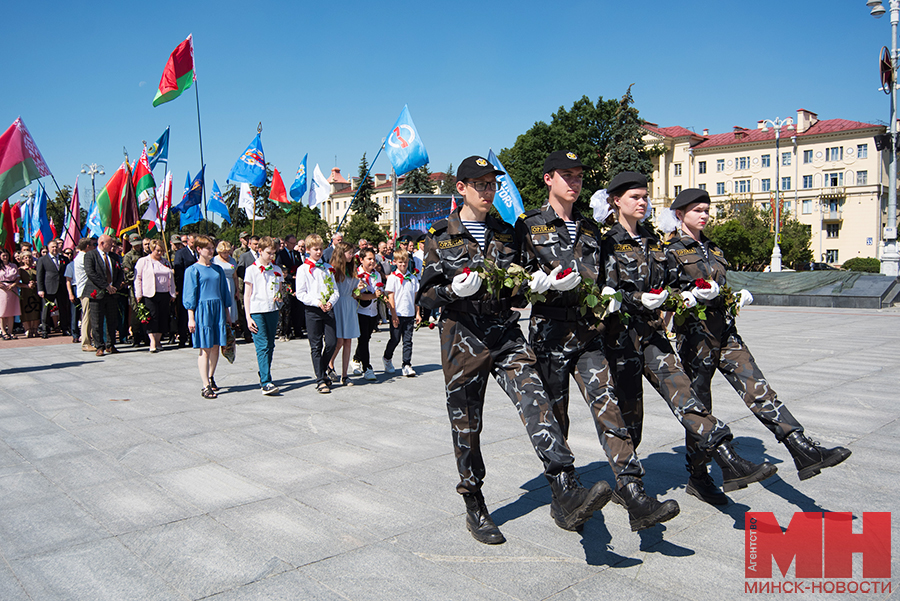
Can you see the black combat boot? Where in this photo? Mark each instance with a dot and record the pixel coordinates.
(643, 511)
(810, 457)
(737, 472)
(479, 522)
(701, 484)
(573, 504)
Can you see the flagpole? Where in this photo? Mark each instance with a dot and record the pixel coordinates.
(68, 211)
(159, 208)
(358, 188)
(200, 135)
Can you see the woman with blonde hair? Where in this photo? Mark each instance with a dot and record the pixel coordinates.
(154, 287)
(345, 309)
(227, 262)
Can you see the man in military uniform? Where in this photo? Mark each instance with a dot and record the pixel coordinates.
(480, 336)
(130, 259)
(557, 237)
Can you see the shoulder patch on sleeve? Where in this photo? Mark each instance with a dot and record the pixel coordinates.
(438, 226)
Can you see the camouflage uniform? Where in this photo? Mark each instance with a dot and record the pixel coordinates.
(566, 343)
(480, 336)
(713, 344)
(635, 267)
(128, 262)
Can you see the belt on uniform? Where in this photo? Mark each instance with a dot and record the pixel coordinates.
(556, 313)
(482, 307)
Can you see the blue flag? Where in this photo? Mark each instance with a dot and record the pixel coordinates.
(216, 204)
(404, 146)
(250, 168)
(158, 152)
(93, 226)
(187, 188)
(192, 215)
(510, 205)
(41, 222)
(298, 188)
(193, 194)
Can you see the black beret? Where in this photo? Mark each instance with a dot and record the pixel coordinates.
(627, 180)
(689, 196)
(561, 159)
(475, 167)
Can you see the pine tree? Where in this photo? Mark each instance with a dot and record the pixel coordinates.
(448, 186)
(364, 205)
(418, 181)
(627, 151)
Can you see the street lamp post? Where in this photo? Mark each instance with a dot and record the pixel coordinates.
(890, 258)
(777, 124)
(92, 170)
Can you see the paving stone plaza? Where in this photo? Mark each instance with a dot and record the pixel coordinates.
(119, 482)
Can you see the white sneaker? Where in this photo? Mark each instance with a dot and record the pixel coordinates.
(388, 366)
(370, 375)
(408, 371)
(269, 389)
(357, 368)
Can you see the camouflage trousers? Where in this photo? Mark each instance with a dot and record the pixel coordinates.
(643, 350)
(705, 346)
(472, 348)
(565, 348)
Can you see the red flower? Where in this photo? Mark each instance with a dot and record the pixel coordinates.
(93, 294)
(656, 290)
(702, 284)
(563, 273)
(467, 271)
(331, 269)
(430, 325)
(379, 285)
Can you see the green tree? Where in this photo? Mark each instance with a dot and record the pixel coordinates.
(364, 204)
(448, 185)
(627, 151)
(746, 237)
(418, 181)
(361, 227)
(584, 129)
(58, 209)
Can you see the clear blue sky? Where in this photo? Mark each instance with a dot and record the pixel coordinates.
(330, 78)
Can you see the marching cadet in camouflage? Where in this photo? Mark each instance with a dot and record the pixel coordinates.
(480, 336)
(705, 346)
(557, 237)
(636, 265)
(139, 248)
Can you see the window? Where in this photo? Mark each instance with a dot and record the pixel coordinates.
(807, 156)
(832, 230)
(862, 151)
(677, 168)
(766, 185)
(765, 207)
(741, 163)
(834, 206)
(831, 256)
(742, 186)
(677, 190)
(807, 182)
(787, 206)
(766, 160)
(720, 188)
(720, 165)
(701, 167)
(785, 183)
(834, 179)
(785, 159)
(862, 178)
(807, 207)
(702, 186)
(834, 154)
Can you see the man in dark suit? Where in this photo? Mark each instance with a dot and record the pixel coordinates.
(243, 262)
(52, 289)
(184, 258)
(293, 313)
(103, 269)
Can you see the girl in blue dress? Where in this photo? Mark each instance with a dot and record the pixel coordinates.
(345, 310)
(206, 299)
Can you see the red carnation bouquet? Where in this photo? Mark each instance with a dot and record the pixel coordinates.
(702, 284)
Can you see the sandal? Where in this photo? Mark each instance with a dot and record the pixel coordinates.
(208, 393)
(323, 388)
(212, 384)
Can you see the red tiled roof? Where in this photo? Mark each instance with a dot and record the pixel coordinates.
(748, 136)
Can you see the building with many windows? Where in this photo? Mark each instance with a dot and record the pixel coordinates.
(830, 177)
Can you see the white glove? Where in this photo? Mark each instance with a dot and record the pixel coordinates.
(466, 285)
(707, 294)
(746, 298)
(654, 301)
(689, 301)
(567, 283)
(540, 281)
(614, 305)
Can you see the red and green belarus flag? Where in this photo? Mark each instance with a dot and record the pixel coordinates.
(144, 186)
(277, 193)
(116, 203)
(20, 160)
(178, 75)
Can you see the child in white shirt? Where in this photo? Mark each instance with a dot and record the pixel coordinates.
(401, 288)
(317, 290)
(263, 296)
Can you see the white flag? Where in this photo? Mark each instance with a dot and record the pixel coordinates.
(246, 202)
(320, 189)
(162, 198)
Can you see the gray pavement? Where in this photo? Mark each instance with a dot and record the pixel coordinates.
(118, 481)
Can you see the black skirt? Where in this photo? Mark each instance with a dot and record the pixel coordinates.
(158, 306)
